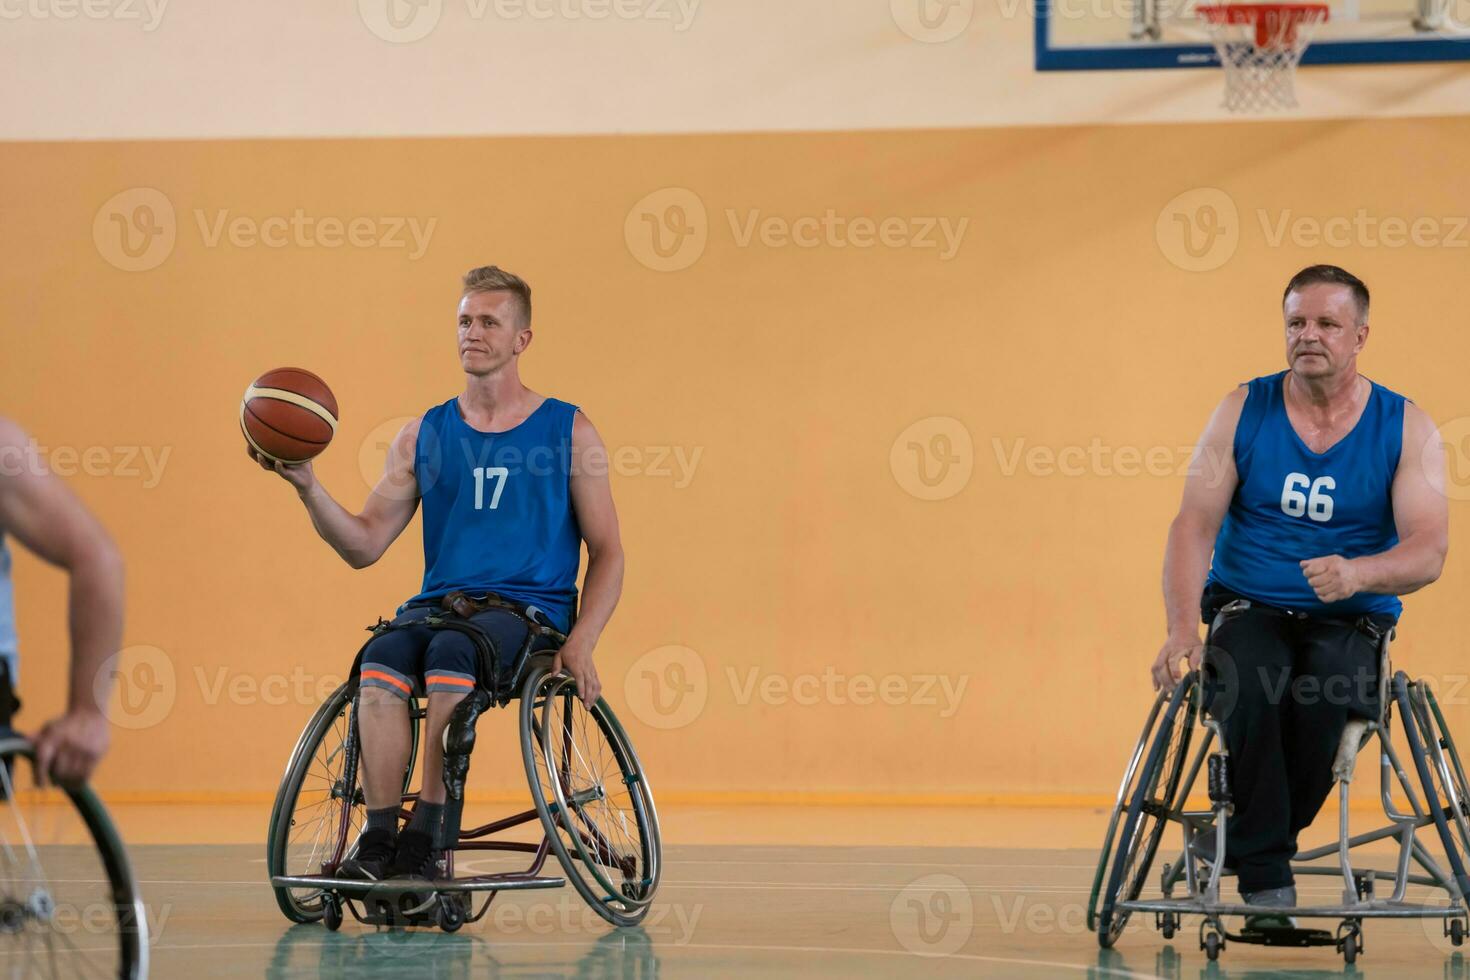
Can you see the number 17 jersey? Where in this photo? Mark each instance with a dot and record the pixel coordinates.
(1292, 503)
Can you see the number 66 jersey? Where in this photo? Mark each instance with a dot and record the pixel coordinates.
(1292, 504)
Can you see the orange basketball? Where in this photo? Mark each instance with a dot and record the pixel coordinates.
(288, 415)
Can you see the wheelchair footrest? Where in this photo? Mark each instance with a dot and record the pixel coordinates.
(1283, 937)
(393, 887)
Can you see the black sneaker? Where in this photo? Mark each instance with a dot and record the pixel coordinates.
(415, 857)
(371, 858)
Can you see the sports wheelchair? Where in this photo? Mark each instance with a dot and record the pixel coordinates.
(69, 905)
(1157, 790)
(588, 791)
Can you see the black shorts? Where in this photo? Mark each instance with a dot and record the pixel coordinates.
(1284, 655)
(422, 660)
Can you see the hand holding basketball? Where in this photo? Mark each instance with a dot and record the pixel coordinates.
(288, 417)
(299, 475)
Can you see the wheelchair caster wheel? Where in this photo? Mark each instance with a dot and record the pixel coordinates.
(449, 915)
(1350, 948)
(1457, 932)
(332, 913)
(1168, 924)
(1213, 944)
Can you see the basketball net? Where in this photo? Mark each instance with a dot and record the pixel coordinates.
(1260, 46)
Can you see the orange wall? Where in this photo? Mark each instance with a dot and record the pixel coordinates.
(1066, 316)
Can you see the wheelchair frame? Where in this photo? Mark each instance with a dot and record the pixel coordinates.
(448, 902)
(17, 912)
(1140, 797)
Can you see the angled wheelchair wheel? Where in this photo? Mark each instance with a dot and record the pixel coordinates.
(319, 809)
(1150, 804)
(1120, 806)
(1444, 758)
(1444, 789)
(68, 904)
(593, 797)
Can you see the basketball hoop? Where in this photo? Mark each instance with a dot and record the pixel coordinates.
(1260, 46)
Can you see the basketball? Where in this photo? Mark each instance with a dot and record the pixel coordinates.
(288, 415)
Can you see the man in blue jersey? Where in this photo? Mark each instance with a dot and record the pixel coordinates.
(512, 484)
(1320, 495)
(40, 512)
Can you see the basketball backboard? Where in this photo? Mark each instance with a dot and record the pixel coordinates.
(1119, 34)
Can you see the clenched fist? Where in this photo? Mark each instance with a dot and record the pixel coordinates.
(1332, 577)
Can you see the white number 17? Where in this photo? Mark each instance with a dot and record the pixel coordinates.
(483, 473)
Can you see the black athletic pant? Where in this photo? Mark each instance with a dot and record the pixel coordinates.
(1283, 685)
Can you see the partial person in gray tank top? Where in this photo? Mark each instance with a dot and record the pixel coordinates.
(8, 650)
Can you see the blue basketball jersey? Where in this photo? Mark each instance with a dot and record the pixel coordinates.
(498, 508)
(1292, 504)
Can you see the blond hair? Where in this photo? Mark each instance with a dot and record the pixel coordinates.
(494, 279)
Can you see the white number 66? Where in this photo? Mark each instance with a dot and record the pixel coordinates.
(1314, 504)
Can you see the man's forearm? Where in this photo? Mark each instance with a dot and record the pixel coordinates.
(345, 532)
(1186, 565)
(1407, 567)
(600, 591)
(95, 619)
